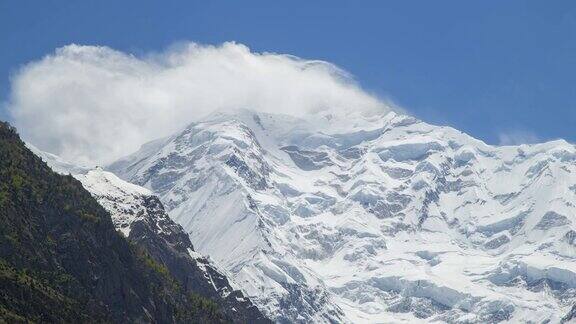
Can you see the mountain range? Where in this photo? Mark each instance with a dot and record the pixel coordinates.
(371, 217)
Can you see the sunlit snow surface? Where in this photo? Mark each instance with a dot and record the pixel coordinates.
(378, 218)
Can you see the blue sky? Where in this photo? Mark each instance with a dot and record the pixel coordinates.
(502, 71)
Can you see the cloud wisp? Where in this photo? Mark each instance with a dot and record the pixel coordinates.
(517, 137)
(92, 104)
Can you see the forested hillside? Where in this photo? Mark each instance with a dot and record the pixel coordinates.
(61, 259)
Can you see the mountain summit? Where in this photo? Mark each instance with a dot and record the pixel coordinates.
(371, 217)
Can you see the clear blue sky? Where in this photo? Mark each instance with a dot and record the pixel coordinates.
(485, 67)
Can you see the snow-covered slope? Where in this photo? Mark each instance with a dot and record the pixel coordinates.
(372, 218)
(141, 217)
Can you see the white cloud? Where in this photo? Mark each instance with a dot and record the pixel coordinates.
(93, 104)
(517, 137)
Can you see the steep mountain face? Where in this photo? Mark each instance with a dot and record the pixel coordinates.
(62, 261)
(372, 218)
(140, 216)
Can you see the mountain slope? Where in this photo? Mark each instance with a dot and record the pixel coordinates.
(372, 218)
(141, 217)
(61, 259)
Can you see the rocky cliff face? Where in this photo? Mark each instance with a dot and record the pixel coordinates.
(372, 218)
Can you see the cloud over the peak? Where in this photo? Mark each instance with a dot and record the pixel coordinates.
(517, 137)
(93, 104)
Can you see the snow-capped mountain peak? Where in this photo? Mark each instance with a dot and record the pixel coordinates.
(376, 218)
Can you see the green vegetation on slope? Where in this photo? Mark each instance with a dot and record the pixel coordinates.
(61, 259)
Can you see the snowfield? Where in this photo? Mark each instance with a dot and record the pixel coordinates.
(376, 218)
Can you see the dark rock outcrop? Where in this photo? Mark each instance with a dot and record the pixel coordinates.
(168, 244)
